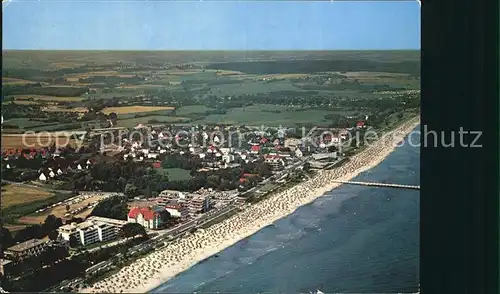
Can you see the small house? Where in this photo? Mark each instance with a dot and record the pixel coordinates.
(42, 177)
(255, 149)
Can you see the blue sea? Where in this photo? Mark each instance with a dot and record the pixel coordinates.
(353, 239)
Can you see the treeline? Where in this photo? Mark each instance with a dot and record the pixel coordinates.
(32, 111)
(48, 228)
(36, 74)
(409, 101)
(312, 99)
(181, 161)
(340, 121)
(313, 66)
(275, 97)
(116, 177)
(38, 89)
(46, 277)
(367, 88)
(113, 207)
(178, 97)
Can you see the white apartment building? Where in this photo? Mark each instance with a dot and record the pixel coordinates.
(172, 195)
(89, 232)
(199, 203)
(228, 158)
(177, 210)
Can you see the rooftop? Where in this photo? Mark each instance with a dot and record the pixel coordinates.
(5, 261)
(107, 220)
(26, 245)
(146, 212)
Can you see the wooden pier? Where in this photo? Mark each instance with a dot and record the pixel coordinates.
(379, 184)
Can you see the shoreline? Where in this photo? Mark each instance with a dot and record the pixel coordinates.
(153, 270)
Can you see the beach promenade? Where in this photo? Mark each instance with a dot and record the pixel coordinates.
(158, 267)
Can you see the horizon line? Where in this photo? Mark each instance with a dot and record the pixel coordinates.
(213, 50)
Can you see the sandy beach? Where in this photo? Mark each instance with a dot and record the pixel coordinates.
(158, 267)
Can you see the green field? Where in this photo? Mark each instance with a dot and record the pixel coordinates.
(26, 123)
(190, 77)
(256, 116)
(252, 87)
(175, 174)
(45, 59)
(132, 122)
(191, 109)
(145, 115)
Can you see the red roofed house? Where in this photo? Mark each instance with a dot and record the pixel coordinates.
(148, 217)
(255, 149)
(156, 164)
(360, 124)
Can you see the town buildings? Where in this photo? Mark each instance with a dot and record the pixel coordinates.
(24, 250)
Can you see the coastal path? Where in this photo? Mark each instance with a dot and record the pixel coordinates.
(373, 184)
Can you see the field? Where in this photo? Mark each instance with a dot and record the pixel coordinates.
(16, 194)
(22, 102)
(132, 122)
(258, 115)
(109, 73)
(283, 76)
(228, 72)
(175, 174)
(191, 109)
(75, 58)
(24, 122)
(61, 65)
(252, 87)
(56, 108)
(195, 76)
(14, 141)
(143, 87)
(59, 211)
(135, 109)
(47, 98)
(13, 81)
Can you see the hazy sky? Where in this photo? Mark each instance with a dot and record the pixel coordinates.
(221, 25)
